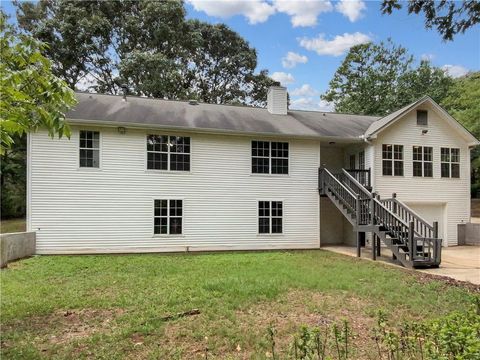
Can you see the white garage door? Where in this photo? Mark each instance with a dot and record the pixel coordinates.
(432, 212)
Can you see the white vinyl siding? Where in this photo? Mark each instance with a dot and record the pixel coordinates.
(111, 210)
(452, 195)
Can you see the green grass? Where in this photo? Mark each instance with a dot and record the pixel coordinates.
(115, 304)
(12, 225)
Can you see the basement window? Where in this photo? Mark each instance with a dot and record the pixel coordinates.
(423, 161)
(450, 162)
(422, 117)
(270, 157)
(168, 216)
(392, 160)
(270, 217)
(168, 153)
(89, 149)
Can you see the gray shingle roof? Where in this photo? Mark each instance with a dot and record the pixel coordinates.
(146, 112)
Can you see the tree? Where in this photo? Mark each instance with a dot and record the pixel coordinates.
(376, 79)
(449, 17)
(148, 45)
(462, 103)
(31, 95)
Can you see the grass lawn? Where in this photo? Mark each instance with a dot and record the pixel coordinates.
(12, 225)
(115, 306)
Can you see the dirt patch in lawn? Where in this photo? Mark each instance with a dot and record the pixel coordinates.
(65, 326)
(237, 336)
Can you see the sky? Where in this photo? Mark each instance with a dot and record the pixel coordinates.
(302, 42)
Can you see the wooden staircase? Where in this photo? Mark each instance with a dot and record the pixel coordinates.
(412, 240)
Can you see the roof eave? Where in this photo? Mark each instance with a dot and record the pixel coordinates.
(106, 123)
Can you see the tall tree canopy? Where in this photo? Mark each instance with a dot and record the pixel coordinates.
(31, 96)
(376, 79)
(148, 45)
(449, 17)
(462, 102)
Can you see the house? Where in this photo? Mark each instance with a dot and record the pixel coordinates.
(150, 175)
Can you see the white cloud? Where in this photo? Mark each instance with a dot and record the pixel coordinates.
(310, 103)
(292, 59)
(427, 57)
(283, 78)
(303, 12)
(352, 9)
(455, 71)
(256, 11)
(304, 90)
(337, 46)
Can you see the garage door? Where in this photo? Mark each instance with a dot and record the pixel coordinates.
(432, 212)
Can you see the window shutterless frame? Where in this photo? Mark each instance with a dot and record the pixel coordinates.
(88, 145)
(269, 158)
(450, 162)
(392, 160)
(168, 153)
(270, 215)
(422, 161)
(168, 214)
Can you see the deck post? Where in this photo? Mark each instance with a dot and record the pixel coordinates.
(435, 229)
(358, 215)
(394, 197)
(379, 241)
(359, 244)
(372, 224)
(411, 230)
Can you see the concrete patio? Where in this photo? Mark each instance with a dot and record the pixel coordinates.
(458, 262)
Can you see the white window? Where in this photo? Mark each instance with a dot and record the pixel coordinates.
(450, 162)
(269, 157)
(168, 153)
(89, 149)
(392, 160)
(270, 217)
(423, 161)
(168, 216)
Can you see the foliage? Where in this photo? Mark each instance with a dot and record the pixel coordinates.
(454, 336)
(13, 179)
(31, 96)
(462, 102)
(377, 79)
(119, 299)
(149, 45)
(449, 17)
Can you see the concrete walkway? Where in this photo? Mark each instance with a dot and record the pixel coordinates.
(458, 262)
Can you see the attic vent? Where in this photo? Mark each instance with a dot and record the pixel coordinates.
(422, 117)
(193, 102)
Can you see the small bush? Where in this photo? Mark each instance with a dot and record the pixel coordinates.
(452, 337)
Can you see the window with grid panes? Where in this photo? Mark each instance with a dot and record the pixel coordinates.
(392, 160)
(168, 215)
(269, 157)
(168, 153)
(89, 149)
(270, 217)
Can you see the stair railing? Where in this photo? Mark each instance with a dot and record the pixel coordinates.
(363, 176)
(421, 227)
(364, 195)
(393, 223)
(330, 183)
